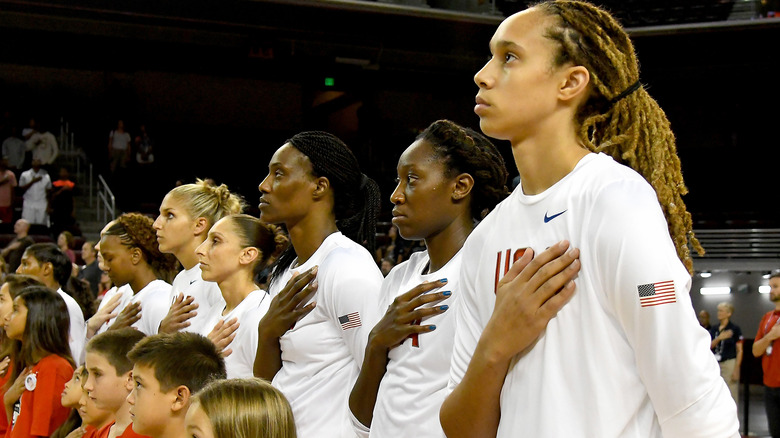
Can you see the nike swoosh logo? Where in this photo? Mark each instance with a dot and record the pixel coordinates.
(549, 218)
(193, 281)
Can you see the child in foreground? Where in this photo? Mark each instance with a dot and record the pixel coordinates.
(40, 321)
(240, 408)
(110, 378)
(167, 370)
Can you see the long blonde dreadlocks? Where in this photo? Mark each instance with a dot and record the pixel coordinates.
(620, 118)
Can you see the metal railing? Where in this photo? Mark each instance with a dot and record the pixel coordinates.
(106, 207)
(101, 197)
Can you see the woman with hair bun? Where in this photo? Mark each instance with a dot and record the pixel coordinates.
(312, 340)
(132, 257)
(237, 249)
(186, 214)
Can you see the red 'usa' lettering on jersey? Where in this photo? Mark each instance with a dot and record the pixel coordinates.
(503, 260)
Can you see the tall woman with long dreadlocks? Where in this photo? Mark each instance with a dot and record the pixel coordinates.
(312, 340)
(599, 171)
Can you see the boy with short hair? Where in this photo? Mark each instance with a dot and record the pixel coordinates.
(110, 378)
(168, 368)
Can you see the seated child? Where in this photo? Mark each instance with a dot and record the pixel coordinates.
(110, 378)
(240, 408)
(167, 370)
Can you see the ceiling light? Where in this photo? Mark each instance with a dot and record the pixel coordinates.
(705, 274)
(717, 290)
(763, 289)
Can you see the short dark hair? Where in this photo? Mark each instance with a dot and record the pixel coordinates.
(180, 358)
(114, 346)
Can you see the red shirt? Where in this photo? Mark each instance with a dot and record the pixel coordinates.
(41, 412)
(128, 433)
(770, 362)
(90, 432)
(3, 380)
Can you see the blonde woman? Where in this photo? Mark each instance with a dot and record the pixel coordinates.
(187, 213)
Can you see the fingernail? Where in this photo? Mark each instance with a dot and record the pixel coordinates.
(444, 307)
(446, 293)
(314, 283)
(443, 280)
(431, 327)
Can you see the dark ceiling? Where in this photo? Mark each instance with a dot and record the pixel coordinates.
(711, 64)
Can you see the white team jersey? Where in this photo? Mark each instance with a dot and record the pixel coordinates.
(155, 303)
(205, 293)
(626, 356)
(415, 383)
(78, 328)
(241, 361)
(125, 292)
(322, 354)
(155, 300)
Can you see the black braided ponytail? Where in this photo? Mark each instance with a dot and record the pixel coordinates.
(356, 197)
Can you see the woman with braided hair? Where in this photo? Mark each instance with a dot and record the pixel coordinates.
(312, 339)
(186, 214)
(448, 179)
(625, 357)
(131, 256)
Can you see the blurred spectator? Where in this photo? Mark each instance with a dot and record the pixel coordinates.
(91, 270)
(61, 208)
(395, 249)
(12, 253)
(3, 267)
(35, 183)
(118, 147)
(727, 347)
(44, 147)
(7, 186)
(144, 148)
(105, 285)
(704, 319)
(65, 243)
(32, 128)
(387, 265)
(14, 150)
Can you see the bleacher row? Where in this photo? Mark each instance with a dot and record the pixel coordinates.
(39, 234)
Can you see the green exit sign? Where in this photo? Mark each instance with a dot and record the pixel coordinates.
(329, 82)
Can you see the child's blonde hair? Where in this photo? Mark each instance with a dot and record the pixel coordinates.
(246, 408)
(206, 200)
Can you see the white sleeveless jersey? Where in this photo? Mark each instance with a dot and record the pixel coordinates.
(240, 363)
(415, 384)
(626, 356)
(322, 354)
(206, 294)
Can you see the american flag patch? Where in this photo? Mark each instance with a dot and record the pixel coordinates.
(653, 294)
(350, 320)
